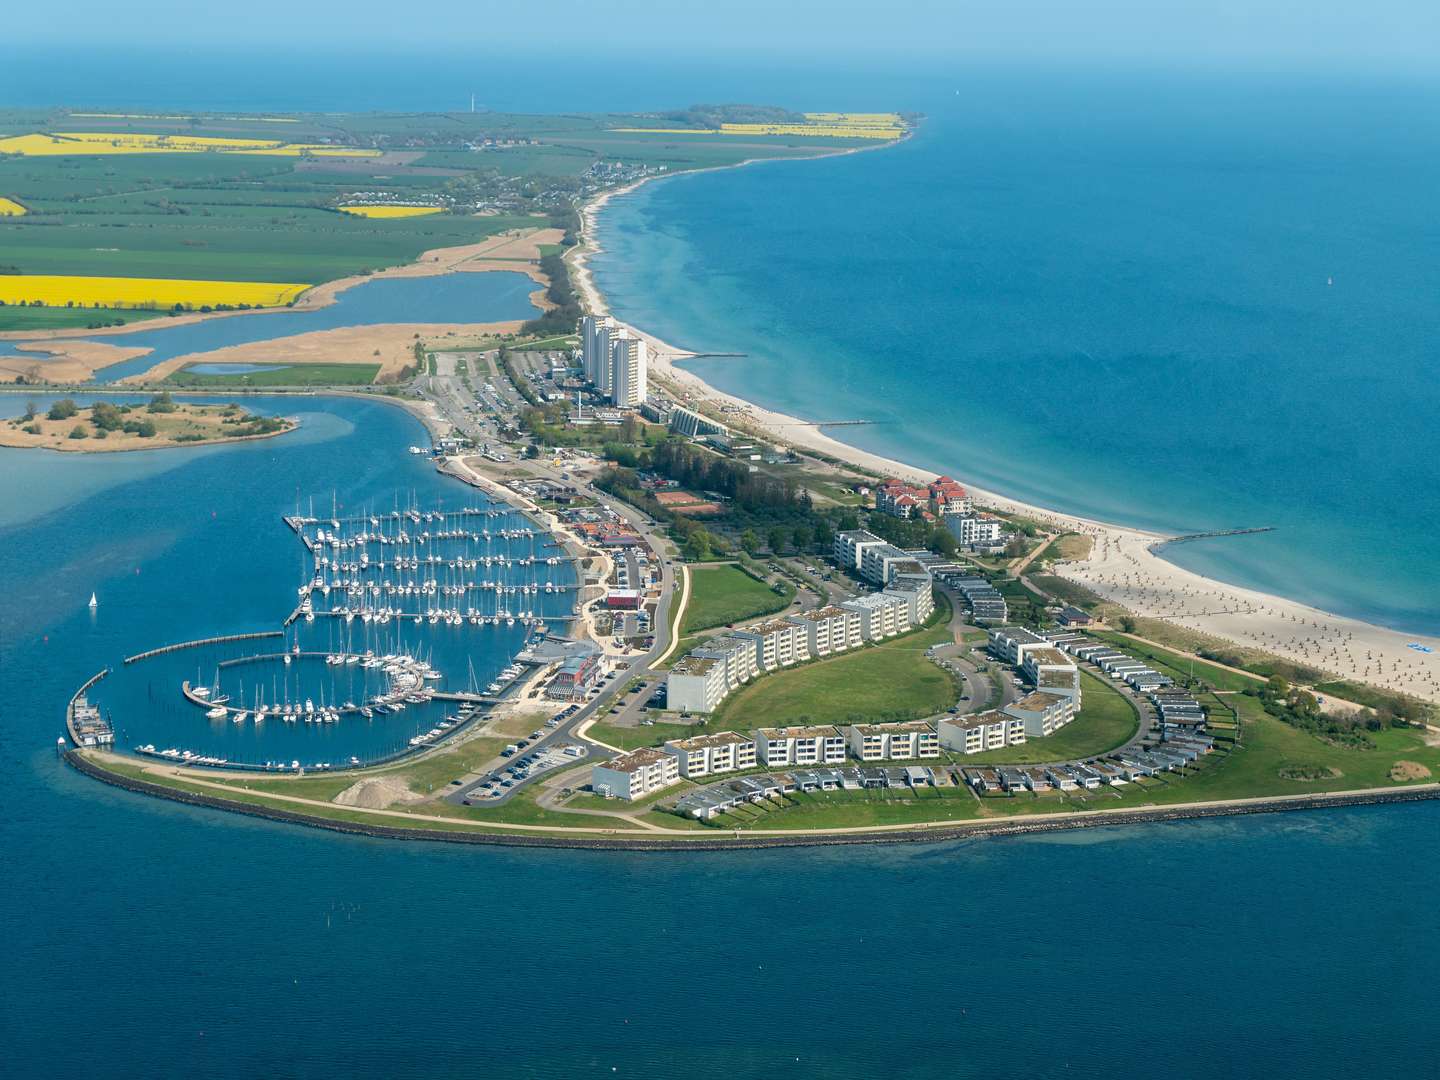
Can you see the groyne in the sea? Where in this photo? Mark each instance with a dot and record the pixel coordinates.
(740, 842)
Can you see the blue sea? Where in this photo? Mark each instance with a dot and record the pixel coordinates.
(1175, 305)
(148, 939)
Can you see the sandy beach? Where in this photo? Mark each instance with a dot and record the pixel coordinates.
(1122, 567)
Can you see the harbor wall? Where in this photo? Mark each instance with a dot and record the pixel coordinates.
(720, 841)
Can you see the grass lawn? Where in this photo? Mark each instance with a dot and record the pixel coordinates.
(848, 809)
(720, 595)
(21, 317)
(1106, 720)
(287, 375)
(893, 679)
(632, 738)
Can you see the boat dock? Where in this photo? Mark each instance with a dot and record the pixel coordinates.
(83, 722)
(199, 642)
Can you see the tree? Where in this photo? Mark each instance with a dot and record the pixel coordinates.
(697, 546)
(63, 409)
(942, 542)
(1276, 688)
(803, 537)
(1127, 624)
(749, 542)
(777, 539)
(161, 403)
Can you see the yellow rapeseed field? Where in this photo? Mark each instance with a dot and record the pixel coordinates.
(11, 208)
(833, 125)
(392, 211)
(158, 293)
(104, 142)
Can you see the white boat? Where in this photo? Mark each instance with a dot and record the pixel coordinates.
(217, 713)
(94, 602)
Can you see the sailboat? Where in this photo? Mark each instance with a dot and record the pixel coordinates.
(94, 602)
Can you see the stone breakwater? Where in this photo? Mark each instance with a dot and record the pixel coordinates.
(732, 842)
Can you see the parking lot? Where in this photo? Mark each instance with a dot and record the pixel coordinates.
(521, 766)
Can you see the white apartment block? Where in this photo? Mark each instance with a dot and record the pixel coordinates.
(849, 547)
(636, 774)
(829, 630)
(1054, 681)
(877, 562)
(1037, 662)
(778, 643)
(972, 529)
(918, 594)
(1010, 643)
(737, 654)
(980, 732)
(1042, 713)
(882, 615)
(779, 747)
(696, 684)
(893, 742)
(629, 362)
(706, 755)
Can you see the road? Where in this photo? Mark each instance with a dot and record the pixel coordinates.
(446, 391)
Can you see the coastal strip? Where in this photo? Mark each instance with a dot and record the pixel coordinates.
(937, 833)
(1126, 565)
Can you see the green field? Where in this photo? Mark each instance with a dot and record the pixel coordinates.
(289, 375)
(24, 317)
(891, 680)
(720, 595)
(255, 218)
(1106, 720)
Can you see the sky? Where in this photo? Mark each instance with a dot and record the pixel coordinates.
(1352, 35)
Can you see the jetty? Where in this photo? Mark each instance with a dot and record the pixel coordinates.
(198, 642)
(1211, 535)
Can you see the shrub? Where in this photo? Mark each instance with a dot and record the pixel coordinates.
(63, 409)
(79, 432)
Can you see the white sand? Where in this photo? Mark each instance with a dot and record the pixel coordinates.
(1121, 568)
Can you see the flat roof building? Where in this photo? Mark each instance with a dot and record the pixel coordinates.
(636, 774)
(707, 755)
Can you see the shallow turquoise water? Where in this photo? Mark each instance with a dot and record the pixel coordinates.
(1112, 298)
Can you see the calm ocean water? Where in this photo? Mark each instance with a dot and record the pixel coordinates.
(188, 941)
(146, 939)
(1179, 305)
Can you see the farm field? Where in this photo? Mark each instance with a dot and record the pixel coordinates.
(312, 198)
(136, 292)
(21, 318)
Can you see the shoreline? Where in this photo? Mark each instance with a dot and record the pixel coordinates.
(535, 836)
(1124, 566)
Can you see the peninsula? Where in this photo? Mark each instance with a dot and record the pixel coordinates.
(110, 426)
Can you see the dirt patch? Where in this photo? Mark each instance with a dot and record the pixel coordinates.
(1402, 771)
(1309, 772)
(71, 361)
(377, 793)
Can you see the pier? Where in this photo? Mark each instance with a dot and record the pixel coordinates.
(82, 722)
(199, 642)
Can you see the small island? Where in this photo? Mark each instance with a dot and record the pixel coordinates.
(161, 422)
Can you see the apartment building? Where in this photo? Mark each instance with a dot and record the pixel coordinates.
(778, 643)
(636, 774)
(629, 366)
(882, 615)
(707, 755)
(878, 561)
(991, 730)
(780, 747)
(849, 547)
(696, 684)
(829, 630)
(917, 592)
(1042, 713)
(973, 529)
(1010, 643)
(893, 742)
(1037, 662)
(735, 653)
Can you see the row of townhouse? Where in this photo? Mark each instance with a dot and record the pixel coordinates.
(986, 603)
(704, 677)
(1118, 665)
(893, 742)
(708, 802)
